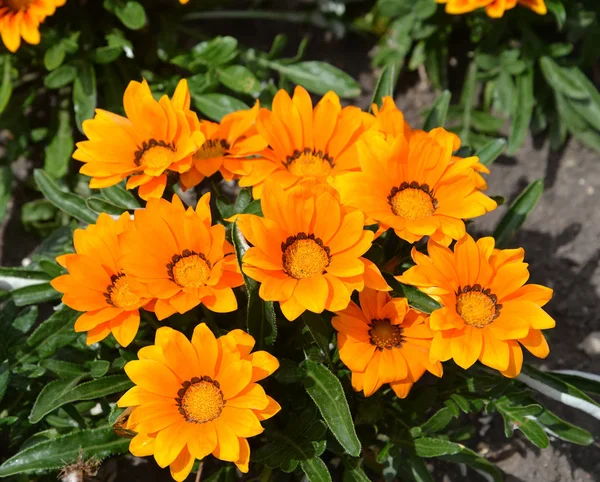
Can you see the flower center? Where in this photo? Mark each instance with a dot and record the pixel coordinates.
(476, 306)
(200, 400)
(189, 269)
(155, 154)
(304, 256)
(385, 335)
(16, 5)
(212, 148)
(412, 201)
(309, 163)
(120, 294)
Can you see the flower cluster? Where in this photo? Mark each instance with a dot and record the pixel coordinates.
(330, 180)
(494, 8)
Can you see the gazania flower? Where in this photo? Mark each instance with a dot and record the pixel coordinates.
(488, 310)
(234, 137)
(307, 251)
(22, 18)
(154, 140)
(181, 259)
(414, 186)
(494, 8)
(304, 144)
(97, 284)
(384, 341)
(194, 399)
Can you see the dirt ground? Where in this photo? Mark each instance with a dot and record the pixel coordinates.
(561, 239)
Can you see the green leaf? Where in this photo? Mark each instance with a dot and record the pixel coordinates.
(61, 320)
(438, 421)
(218, 51)
(99, 368)
(55, 453)
(438, 113)
(564, 430)
(319, 78)
(120, 197)
(467, 100)
(65, 201)
(6, 86)
(586, 382)
(106, 54)
(62, 368)
(326, 391)
(491, 151)
(84, 94)
(518, 212)
(353, 472)
(4, 378)
(239, 79)
(522, 111)
(54, 56)
(385, 84)
(35, 294)
(563, 79)
(132, 14)
(556, 8)
(59, 150)
(301, 439)
(63, 75)
(484, 467)
(6, 177)
(26, 319)
(217, 106)
(14, 278)
(435, 447)
(261, 319)
(320, 329)
(522, 418)
(102, 206)
(60, 392)
(416, 298)
(315, 470)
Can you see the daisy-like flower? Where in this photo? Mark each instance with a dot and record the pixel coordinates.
(488, 309)
(155, 139)
(22, 19)
(181, 259)
(414, 186)
(494, 8)
(384, 341)
(305, 144)
(195, 398)
(307, 251)
(234, 137)
(97, 284)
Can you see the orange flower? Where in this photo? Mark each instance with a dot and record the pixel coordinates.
(22, 18)
(414, 185)
(384, 341)
(181, 258)
(304, 144)
(494, 8)
(234, 137)
(155, 139)
(194, 399)
(307, 251)
(97, 284)
(488, 310)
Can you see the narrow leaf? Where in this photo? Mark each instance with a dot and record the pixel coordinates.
(435, 447)
(386, 83)
(438, 113)
(320, 329)
(6, 85)
(491, 151)
(120, 197)
(217, 106)
(34, 294)
(522, 111)
(315, 470)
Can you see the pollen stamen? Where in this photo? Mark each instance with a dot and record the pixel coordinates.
(304, 256)
(412, 201)
(16, 5)
(200, 400)
(119, 294)
(212, 148)
(189, 269)
(384, 334)
(154, 154)
(309, 162)
(477, 306)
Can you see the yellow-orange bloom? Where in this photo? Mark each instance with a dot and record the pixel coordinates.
(307, 251)
(305, 144)
(384, 341)
(97, 284)
(494, 8)
(22, 19)
(234, 137)
(195, 398)
(181, 259)
(155, 139)
(488, 310)
(414, 186)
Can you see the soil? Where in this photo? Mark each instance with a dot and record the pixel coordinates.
(560, 237)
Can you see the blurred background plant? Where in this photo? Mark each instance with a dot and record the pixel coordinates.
(497, 79)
